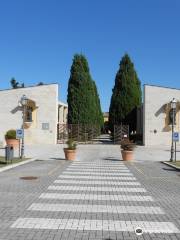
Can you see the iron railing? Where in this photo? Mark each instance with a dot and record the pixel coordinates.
(120, 131)
(78, 132)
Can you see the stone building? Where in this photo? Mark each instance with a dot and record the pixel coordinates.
(106, 116)
(42, 114)
(62, 113)
(157, 129)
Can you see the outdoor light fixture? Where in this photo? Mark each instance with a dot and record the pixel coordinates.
(173, 103)
(24, 100)
(173, 111)
(23, 103)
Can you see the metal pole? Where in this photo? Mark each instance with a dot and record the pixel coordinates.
(172, 143)
(19, 148)
(22, 145)
(175, 151)
(114, 134)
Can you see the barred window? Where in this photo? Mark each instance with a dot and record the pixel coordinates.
(29, 111)
(171, 117)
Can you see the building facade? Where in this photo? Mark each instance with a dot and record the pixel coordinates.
(41, 113)
(157, 129)
(62, 113)
(106, 117)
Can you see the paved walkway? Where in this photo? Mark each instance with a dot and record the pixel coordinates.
(142, 153)
(96, 197)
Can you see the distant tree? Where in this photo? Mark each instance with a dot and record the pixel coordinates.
(126, 92)
(14, 83)
(83, 100)
(40, 83)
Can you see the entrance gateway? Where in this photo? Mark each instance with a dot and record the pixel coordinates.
(88, 134)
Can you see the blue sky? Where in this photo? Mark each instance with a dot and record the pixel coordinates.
(38, 39)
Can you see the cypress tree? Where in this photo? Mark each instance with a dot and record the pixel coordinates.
(83, 100)
(98, 112)
(126, 94)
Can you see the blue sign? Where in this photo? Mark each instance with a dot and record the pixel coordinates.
(19, 133)
(176, 137)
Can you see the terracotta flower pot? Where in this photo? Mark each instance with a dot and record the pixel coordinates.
(12, 142)
(127, 155)
(70, 154)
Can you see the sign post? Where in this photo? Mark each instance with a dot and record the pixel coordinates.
(19, 135)
(175, 139)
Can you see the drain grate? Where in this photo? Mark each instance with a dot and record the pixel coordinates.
(29, 178)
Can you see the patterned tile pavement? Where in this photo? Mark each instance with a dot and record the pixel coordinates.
(91, 198)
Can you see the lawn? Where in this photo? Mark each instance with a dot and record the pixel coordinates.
(177, 163)
(15, 160)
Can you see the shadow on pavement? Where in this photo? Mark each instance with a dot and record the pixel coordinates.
(112, 159)
(58, 159)
(106, 142)
(171, 169)
(170, 150)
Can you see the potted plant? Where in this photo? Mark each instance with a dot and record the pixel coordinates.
(70, 151)
(10, 138)
(127, 148)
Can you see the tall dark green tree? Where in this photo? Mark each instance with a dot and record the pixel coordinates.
(99, 120)
(83, 100)
(126, 94)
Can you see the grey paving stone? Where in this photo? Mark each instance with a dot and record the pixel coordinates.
(16, 196)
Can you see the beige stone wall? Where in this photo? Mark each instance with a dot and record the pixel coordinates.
(63, 112)
(156, 128)
(46, 99)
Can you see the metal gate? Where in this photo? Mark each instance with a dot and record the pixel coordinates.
(83, 133)
(120, 131)
(78, 132)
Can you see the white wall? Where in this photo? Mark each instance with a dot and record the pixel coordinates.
(46, 98)
(155, 115)
(63, 111)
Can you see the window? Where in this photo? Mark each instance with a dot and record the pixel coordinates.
(29, 111)
(171, 116)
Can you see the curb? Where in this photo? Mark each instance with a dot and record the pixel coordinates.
(171, 165)
(16, 164)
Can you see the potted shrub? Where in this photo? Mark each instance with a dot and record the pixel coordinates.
(127, 148)
(70, 151)
(10, 138)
